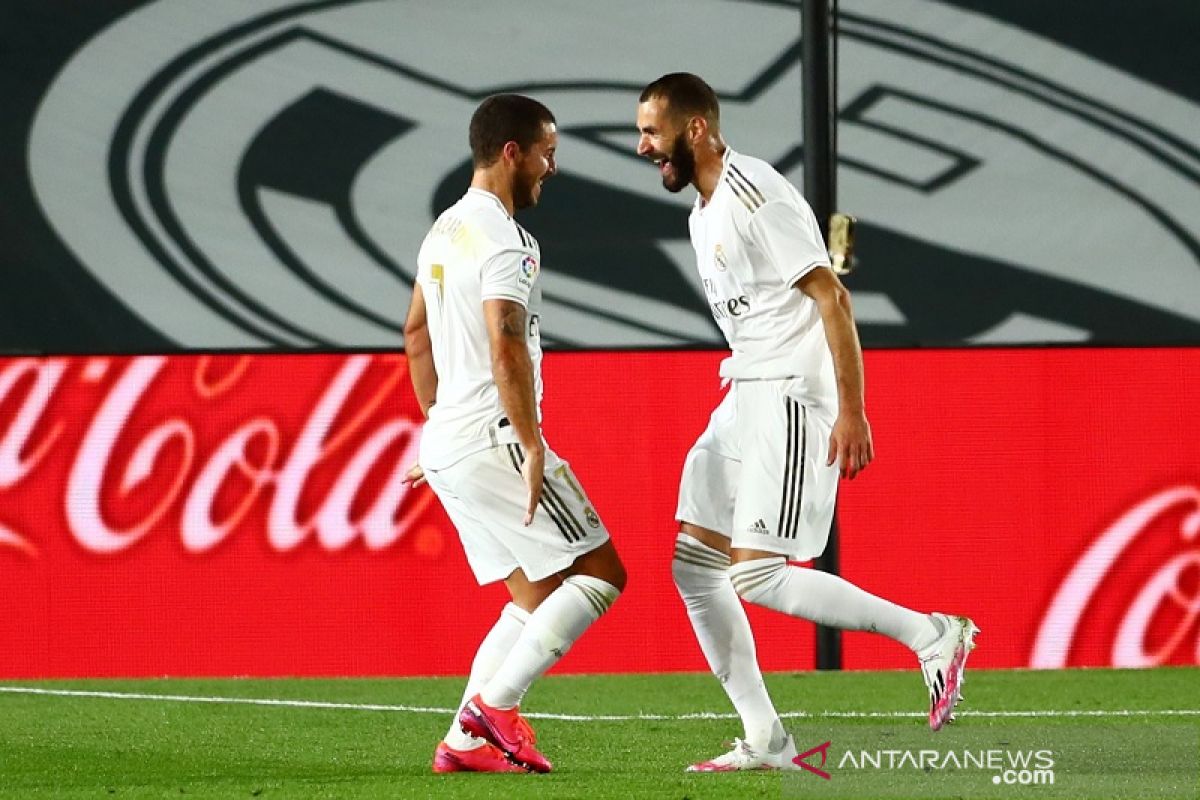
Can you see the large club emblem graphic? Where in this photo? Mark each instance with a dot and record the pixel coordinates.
(264, 178)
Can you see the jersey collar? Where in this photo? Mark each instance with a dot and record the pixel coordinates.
(726, 157)
(485, 193)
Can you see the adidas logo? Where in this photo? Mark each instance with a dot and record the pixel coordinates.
(759, 527)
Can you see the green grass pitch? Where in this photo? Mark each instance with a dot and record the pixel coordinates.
(1110, 733)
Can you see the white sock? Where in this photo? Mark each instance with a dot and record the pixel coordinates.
(488, 658)
(702, 577)
(551, 630)
(829, 600)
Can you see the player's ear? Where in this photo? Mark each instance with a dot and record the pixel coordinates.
(697, 129)
(511, 151)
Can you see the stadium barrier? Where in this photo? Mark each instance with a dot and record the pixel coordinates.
(246, 515)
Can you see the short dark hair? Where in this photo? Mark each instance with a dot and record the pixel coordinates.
(687, 95)
(505, 118)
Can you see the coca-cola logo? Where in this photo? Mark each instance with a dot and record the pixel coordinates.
(202, 448)
(1156, 612)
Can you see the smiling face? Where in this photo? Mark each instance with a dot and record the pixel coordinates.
(533, 166)
(665, 141)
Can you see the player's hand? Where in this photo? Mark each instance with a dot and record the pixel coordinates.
(533, 470)
(415, 476)
(850, 445)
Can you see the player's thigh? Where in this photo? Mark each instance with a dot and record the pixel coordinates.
(527, 594)
(565, 525)
(601, 562)
(490, 560)
(711, 472)
(786, 493)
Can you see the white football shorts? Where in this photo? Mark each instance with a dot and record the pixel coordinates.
(485, 495)
(757, 474)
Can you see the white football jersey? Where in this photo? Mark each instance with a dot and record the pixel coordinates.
(754, 239)
(474, 252)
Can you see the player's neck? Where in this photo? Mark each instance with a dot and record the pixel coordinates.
(710, 163)
(499, 185)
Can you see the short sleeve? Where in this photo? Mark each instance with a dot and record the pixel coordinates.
(788, 234)
(509, 275)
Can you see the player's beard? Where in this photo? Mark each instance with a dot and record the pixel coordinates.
(524, 194)
(683, 163)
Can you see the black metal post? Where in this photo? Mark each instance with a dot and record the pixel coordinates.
(820, 188)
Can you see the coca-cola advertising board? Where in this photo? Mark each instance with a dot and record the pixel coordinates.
(246, 515)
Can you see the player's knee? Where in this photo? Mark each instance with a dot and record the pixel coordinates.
(698, 568)
(605, 564)
(680, 574)
(619, 576)
(755, 580)
(599, 593)
(691, 577)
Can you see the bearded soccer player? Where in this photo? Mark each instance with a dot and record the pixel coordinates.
(758, 486)
(475, 358)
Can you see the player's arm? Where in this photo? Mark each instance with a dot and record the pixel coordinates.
(850, 443)
(419, 349)
(512, 370)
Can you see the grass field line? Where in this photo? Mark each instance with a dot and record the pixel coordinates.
(288, 703)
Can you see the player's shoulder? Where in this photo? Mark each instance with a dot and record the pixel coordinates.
(490, 220)
(756, 182)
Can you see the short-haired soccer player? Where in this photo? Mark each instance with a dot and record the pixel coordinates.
(475, 358)
(758, 486)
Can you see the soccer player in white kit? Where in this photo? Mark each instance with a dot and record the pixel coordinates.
(759, 485)
(475, 359)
